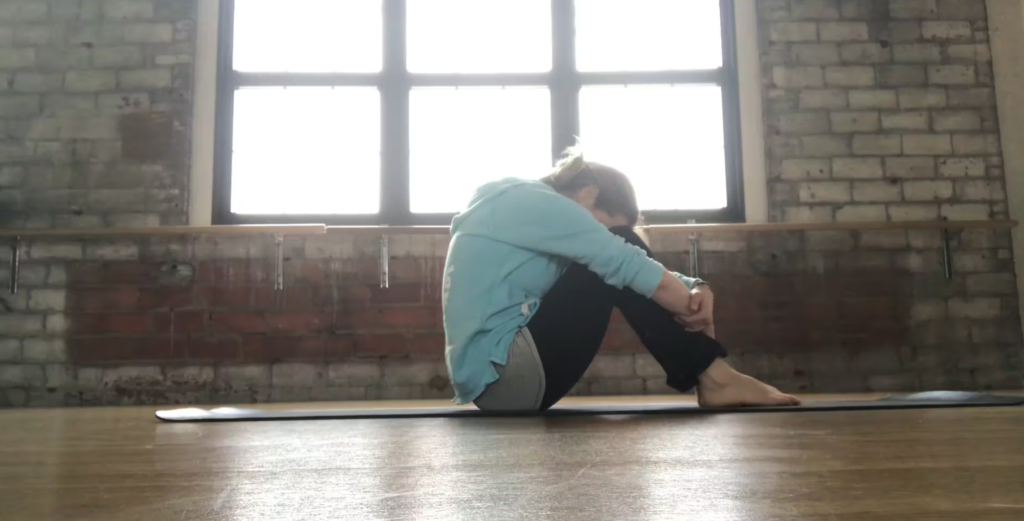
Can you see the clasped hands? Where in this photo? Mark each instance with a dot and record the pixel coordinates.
(699, 315)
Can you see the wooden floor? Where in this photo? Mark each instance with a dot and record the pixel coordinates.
(121, 464)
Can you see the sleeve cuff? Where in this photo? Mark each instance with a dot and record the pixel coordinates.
(690, 282)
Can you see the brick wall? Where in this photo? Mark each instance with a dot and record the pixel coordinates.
(197, 319)
(880, 110)
(875, 110)
(95, 110)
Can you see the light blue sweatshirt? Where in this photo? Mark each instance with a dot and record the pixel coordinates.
(508, 249)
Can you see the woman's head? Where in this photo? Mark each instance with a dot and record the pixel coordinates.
(604, 191)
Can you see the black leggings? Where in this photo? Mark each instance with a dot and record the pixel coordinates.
(573, 318)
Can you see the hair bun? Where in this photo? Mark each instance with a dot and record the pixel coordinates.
(571, 164)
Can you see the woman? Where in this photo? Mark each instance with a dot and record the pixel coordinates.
(533, 272)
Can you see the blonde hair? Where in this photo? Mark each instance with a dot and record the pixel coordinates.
(616, 196)
(567, 168)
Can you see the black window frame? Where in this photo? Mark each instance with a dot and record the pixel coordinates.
(395, 82)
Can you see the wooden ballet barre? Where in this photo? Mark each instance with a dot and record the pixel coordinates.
(710, 228)
(320, 229)
(261, 229)
(388, 230)
(278, 232)
(844, 226)
(695, 230)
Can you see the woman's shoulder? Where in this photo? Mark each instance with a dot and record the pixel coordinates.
(494, 199)
(508, 183)
(509, 186)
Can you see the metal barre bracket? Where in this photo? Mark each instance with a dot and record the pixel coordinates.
(384, 259)
(15, 264)
(947, 257)
(694, 252)
(279, 268)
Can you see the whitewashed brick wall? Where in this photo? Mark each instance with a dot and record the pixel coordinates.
(880, 110)
(95, 112)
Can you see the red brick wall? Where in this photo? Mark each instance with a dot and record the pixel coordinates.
(228, 311)
(800, 312)
(197, 319)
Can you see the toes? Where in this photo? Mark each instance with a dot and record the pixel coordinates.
(785, 400)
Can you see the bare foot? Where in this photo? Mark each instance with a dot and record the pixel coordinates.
(722, 386)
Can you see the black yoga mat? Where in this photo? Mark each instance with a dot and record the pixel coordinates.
(929, 400)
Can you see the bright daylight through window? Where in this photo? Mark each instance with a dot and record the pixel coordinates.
(394, 111)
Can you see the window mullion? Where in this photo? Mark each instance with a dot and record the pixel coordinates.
(565, 82)
(224, 124)
(729, 81)
(394, 91)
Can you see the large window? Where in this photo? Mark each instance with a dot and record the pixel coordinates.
(393, 111)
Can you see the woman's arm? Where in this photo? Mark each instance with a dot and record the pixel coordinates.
(536, 218)
(673, 295)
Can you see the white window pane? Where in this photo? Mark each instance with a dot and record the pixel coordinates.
(669, 140)
(306, 150)
(648, 35)
(308, 36)
(463, 138)
(479, 36)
